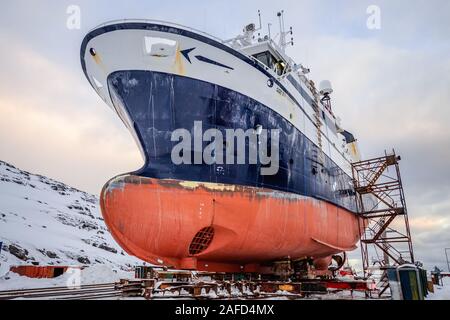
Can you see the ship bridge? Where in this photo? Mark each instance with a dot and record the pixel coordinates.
(270, 56)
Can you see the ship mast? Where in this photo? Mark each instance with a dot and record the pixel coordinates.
(283, 33)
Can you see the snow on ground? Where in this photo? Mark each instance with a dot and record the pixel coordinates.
(96, 274)
(46, 222)
(441, 292)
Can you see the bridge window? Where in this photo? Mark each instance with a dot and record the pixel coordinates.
(266, 58)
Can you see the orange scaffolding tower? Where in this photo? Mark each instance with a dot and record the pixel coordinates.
(386, 227)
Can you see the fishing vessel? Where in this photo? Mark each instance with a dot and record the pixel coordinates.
(160, 77)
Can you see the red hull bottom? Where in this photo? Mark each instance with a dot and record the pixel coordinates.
(222, 228)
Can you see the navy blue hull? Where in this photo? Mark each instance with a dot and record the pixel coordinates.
(160, 103)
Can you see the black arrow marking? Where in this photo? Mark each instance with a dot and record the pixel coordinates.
(186, 52)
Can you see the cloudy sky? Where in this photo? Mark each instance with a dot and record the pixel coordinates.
(392, 88)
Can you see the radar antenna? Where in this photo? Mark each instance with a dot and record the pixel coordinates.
(247, 37)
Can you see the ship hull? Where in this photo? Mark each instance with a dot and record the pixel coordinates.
(220, 217)
(159, 221)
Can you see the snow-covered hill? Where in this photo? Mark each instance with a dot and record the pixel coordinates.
(47, 222)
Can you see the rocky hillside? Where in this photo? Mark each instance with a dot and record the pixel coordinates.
(43, 221)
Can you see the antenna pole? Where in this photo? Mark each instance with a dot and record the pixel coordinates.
(260, 21)
(280, 18)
